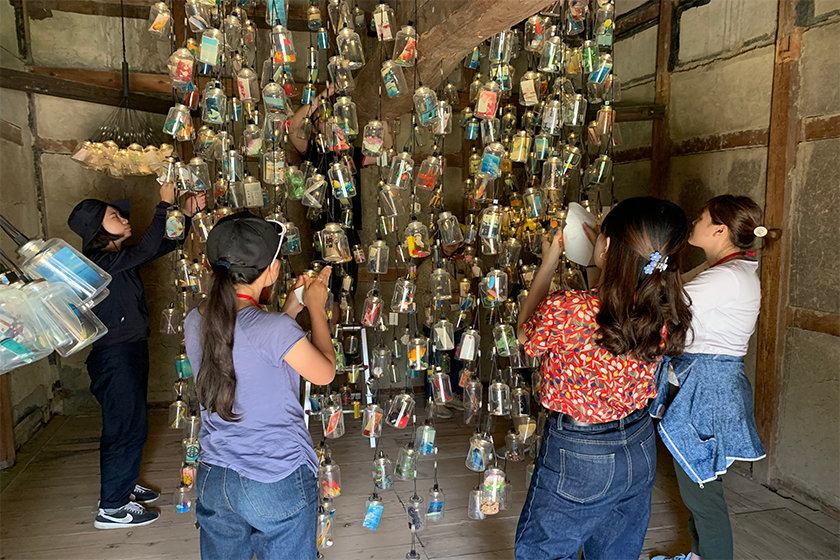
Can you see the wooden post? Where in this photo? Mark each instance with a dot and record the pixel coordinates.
(7, 433)
(775, 256)
(660, 160)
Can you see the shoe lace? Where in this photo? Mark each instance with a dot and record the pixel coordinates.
(138, 488)
(133, 507)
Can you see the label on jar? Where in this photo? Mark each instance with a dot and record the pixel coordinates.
(407, 53)
(253, 194)
(160, 23)
(209, 53)
(486, 104)
(372, 516)
(528, 92)
(383, 26)
(490, 165)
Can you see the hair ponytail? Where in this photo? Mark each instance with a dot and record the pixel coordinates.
(636, 304)
(215, 383)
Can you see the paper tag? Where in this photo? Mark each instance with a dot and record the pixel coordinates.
(529, 92)
(299, 294)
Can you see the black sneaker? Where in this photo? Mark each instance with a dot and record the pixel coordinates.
(130, 515)
(143, 494)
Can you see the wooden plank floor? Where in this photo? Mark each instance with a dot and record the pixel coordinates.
(47, 504)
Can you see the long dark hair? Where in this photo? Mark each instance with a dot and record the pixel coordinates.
(740, 214)
(101, 240)
(636, 305)
(215, 383)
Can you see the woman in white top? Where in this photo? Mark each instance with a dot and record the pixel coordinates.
(710, 423)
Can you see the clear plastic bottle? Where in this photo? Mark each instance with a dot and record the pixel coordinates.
(345, 112)
(181, 64)
(401, 172)
(373, 139)
(335, 247)
(535, 33)
(342, 181)
(430, 173)
(441, 382)
(481, 453)
(418, 353)
(23, 339)
(378, 255)
(315, 191)
(324, 537)
(552, 55)
(341, 75)
(501, 47)
(403, 297)
(491, 161)
(424, 439)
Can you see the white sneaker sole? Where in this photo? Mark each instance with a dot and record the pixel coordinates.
(111, 525)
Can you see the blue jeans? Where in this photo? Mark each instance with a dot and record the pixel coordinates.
(240, 517)
(591, 488)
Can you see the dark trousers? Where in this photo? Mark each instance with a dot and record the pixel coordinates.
(711, 532)
(119, 378)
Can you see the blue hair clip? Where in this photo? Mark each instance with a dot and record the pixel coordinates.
(656, 263)
(223, 263)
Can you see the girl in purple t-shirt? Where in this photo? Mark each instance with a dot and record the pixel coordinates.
(256, 481)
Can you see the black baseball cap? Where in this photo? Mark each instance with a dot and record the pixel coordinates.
(242, 241)
(86, 218)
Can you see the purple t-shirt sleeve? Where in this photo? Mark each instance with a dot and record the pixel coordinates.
(272, 335)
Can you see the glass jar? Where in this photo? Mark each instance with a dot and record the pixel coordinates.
(441, 382)
(552, 174)
(441, 286)
(400, 411)
(493, 288)
(372, 310)
(533, 200)
(342, 181)
(418, 353)
(393, 78)
(350, 47)
(501, 47)
(315, 191)
(345, 112)
(403, 298)
(491, 222)
(552, 118)
(499, 391)
(449, 229)
(426, 106)
(430, 173)
(332, 419)
(535, 32)
(383, 472)
(520, 147)
(504, 339)
(341, 75)
(468, 347)
(491, 161)
(378, 255)
(571, 157)
(324, 536)
(402, 169)
(599, 171)
(487, 100)
(291, 242)
(373, 139)
(406, 465)
(436, 503)
(383, 20)
(329, 478)
(181, 64)
(520, 402)
(424, 439)
(574, 110)
(212, 45)
(481, 453)
(492, 490)
(335, 247)
(160, 21)
(372, 421)
(509, 255)
(415, 512)
(178, 123)
(340, 14)
(273, 166)
(417, 240)
(380, 359)
(405, 46)
(552, 55)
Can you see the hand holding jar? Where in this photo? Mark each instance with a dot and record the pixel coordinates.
(315, 290)
(552, 248)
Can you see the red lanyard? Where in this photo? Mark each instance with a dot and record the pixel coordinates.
(735, 254)
(249, 298)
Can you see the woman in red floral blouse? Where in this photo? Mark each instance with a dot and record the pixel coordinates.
(600, 349)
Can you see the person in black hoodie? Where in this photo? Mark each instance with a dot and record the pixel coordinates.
(118, 363)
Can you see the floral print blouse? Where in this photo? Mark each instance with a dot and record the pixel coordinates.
(579, 378)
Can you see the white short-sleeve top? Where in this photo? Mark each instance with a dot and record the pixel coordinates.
(724, 303)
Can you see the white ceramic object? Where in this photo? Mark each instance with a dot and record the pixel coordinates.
(578, 247)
